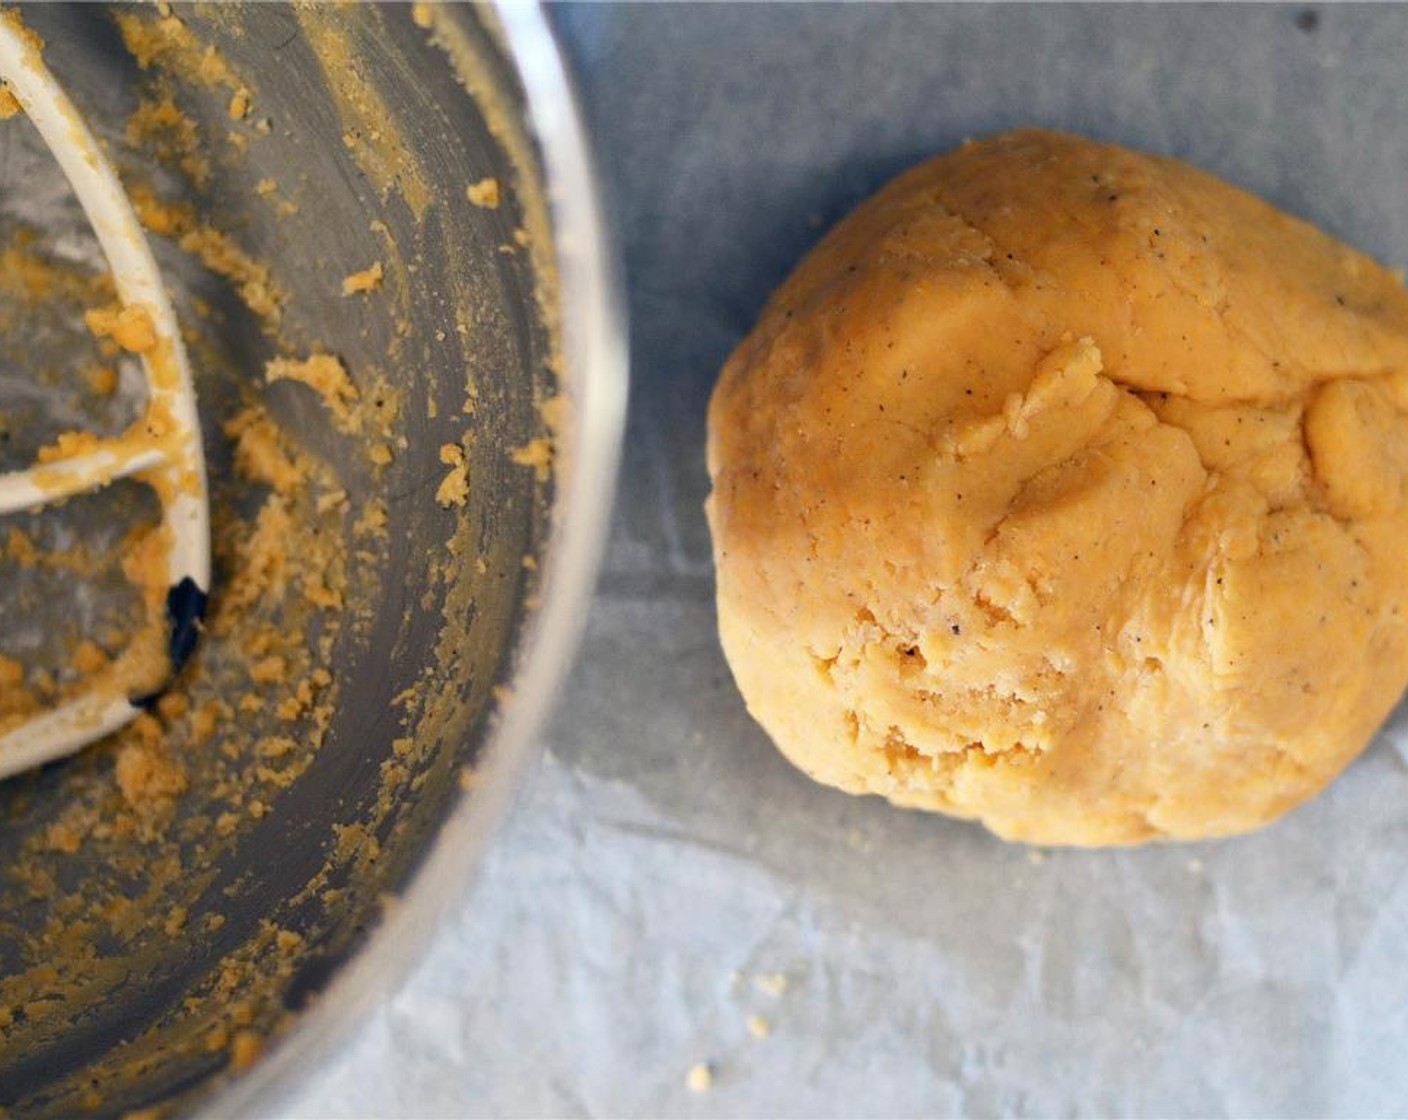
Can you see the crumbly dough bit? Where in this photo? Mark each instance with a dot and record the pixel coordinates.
(147, 774)
(101, 379)
(263, 563)
(238, 107)
(484, 194)
(454, 487)
(367, 280)
(160, 125)
(163, 41)
(537, 453)
(130, 327)
(262, 452)
(1063, 487)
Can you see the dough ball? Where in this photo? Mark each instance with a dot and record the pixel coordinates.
(1063, 487)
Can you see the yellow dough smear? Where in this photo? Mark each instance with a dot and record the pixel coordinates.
(1065, 488)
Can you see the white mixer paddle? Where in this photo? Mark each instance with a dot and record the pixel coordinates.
(167, 453)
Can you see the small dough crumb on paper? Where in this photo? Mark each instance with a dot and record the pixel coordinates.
(700, 1078)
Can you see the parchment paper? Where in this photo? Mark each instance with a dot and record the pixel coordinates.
(665, 857)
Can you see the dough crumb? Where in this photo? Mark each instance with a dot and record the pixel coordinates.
(276, 746)
(145, 775)
(204, 721)
(263, 568)
(759, 1027)
(484, 193)
(175, 921)
(172, 136)
(771, 983)
(245, 1048)
(268, 670)
(168, 44)
(368, 280)
(130, 327)
(9, 103)
(261, 451)
(700, 1078)
(62, 838)
(421, 15)
(454, 487)
(88, 657)
(374, 520)
(239, 104)
(536, 453)
(102, 379)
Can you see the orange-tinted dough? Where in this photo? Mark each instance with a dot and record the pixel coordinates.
(1063, 487)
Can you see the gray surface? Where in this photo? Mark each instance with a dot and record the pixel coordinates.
(665, 856)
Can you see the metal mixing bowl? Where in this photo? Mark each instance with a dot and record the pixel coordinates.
(375, 174)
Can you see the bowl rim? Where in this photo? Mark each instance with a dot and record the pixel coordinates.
(595, 361)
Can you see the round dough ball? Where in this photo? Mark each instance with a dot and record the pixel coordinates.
(1063, 487)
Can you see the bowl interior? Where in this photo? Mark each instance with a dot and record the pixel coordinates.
(175, 895)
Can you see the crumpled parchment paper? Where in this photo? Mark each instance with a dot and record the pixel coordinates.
(666, 867)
